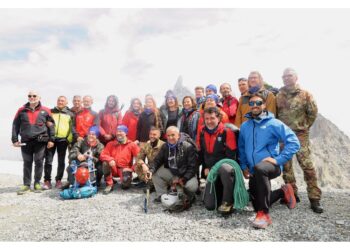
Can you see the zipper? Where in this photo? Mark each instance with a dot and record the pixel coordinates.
(253, 143)
(58, 123)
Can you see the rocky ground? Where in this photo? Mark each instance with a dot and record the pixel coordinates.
(119, 217)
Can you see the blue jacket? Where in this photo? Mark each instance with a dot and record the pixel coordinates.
(259, 138)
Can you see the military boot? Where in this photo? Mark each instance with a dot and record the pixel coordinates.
(316, 206)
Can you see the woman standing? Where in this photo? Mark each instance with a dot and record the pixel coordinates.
(170, 111)
(188, 121)
(131, 118)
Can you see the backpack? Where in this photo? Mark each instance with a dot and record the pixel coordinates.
(187, 138)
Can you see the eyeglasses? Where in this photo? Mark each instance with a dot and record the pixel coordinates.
(257, 103)
(30, 96)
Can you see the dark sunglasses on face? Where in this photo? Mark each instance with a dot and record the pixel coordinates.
(30, 96)
(257, 103)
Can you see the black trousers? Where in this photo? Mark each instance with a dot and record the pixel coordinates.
(61, 147)
(33, 151)
(223, 186)
(260, 186)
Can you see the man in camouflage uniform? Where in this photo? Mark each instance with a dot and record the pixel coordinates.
(297, 109)
(149, 150)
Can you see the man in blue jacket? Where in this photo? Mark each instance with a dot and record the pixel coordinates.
(261, 159)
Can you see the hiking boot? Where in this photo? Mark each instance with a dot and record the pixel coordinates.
(65, 186)
(262, 220)
(157, 200)
(107, 190)
(58, 184)
(47, 185)
(316, 207)
(283, 201)
(289, 196)
(225, 208)
(37, 188)
(24, 189)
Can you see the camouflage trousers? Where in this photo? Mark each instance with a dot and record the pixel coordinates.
(305, 162)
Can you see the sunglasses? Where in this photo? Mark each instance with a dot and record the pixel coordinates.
(30, 96)
(257, 103)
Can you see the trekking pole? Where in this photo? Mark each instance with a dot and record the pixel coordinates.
(146, 201)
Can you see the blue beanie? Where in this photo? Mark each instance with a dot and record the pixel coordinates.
(170, 94)
(212, 87)
(95, 130)
(214, 97)
(123, 128)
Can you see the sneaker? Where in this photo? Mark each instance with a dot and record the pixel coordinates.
(23, 190)
(58, 184)
(262, 220)
(37, 188)
(289, 196)
(225, 208)
(316, 206)
(47, 185)
(108, 189)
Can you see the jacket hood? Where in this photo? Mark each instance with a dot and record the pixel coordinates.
(27, 105)
(265, 115)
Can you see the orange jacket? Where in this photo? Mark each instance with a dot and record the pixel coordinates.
(85, 119)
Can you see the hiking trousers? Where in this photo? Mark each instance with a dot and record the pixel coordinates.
(224, 186)
(61, 147)
(163, 178)
(260, 186)
(33, 151)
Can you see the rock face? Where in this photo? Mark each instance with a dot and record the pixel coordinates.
(331, 154)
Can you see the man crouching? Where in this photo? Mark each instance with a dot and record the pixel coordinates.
(174, 166)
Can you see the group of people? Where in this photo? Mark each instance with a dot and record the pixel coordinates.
(180, 145)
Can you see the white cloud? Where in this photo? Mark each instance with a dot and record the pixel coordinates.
(131, 52)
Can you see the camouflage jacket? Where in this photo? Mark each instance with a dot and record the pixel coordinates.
(296, 108)
(147, 152)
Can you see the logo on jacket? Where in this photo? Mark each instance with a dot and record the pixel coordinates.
(219, 139)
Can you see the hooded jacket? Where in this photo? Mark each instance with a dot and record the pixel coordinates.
(259, 138)
(296, 108)
(109, 119)
(30, 123)
(64, 123)
(229, 106)
(130, 120)
(85, 119)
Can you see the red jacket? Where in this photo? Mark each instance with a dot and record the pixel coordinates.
(85, 119)
(109, 120)
(122, 154)
(229, 106)
(130, 120)
(224, 119)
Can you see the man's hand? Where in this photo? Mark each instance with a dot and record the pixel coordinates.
(148, 176)
(80, 138)
(145, 168)
(112, 163)
(270, 160)
(206, 171)
(17, 144)
(246, 173)
(81, 157)
(137, 142)
(50, 144)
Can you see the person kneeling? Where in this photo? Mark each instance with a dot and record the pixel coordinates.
(216, 142)
(261, 159)
(174, 166)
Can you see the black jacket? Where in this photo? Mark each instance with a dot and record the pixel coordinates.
(144, 124)
(81, 147)
(30, 124)
(185, 160)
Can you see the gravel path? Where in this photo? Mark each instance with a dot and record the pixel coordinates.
(119, 217)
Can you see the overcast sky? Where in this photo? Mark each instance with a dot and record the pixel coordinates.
(131, 52)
